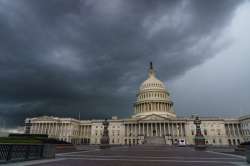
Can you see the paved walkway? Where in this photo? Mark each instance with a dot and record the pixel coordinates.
(142, 156)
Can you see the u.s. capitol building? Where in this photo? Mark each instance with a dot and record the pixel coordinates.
(154, 122)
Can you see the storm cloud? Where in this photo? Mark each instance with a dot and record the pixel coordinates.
(61, 57)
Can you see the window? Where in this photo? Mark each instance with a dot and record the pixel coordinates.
(192, 132)
(205, 131)
(214, 141)
(218, 131)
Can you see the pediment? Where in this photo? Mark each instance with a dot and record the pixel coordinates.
(153, 117)
(44, 118)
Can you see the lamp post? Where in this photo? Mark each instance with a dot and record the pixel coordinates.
(105, 136)
(199, 138)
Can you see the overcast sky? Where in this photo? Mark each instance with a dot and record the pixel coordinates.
(61, 57)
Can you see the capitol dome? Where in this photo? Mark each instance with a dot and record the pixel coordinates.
(152, 83)
(153, 98)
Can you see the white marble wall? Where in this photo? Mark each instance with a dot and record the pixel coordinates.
(125, 131)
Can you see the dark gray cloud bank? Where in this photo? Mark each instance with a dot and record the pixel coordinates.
(61, 57)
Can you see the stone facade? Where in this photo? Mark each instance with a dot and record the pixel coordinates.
(245, 127)
(154, 121)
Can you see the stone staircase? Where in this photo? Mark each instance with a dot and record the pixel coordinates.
(155, 140)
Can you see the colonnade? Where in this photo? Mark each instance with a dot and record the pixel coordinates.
(173, 129)
(233, 132)
(60, 129)
(153, 106)
(232, 129)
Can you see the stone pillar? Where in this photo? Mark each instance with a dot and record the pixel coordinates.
(160, 130)
(164, 128)
(143, 130)
(151, 129)
(238, 129)
(136, 129)
(35, 128)
(43, 127)
(40, 128)
(139, 128)
(128, 130)
(172, 131)
(49, 128)
(234, 132)
(180, 130)
(169, 130)
(147, 129)
(125, 130)
(183, 129)
(230, 130)
(83, 130)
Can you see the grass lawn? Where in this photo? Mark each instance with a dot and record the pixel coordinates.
(19, 140)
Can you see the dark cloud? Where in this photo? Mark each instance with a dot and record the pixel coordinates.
(62, 57)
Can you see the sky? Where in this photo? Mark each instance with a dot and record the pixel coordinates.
(61, 57)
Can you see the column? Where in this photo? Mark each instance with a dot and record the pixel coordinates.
(35, 125)
(42, 128)
(128, 130)
(125, 130)
(181, 134)
(172, 131)
(231, 129)
(49, 128)
(147, 130)
(226, 129)
(136, 129)
(179, 129)
(143, 129)
(164, 126)
(169, 130)
(39, 128)
(139, 133)
(183, 129)
(160, 130)
(151, 129)
(156, 128)
(238, 129)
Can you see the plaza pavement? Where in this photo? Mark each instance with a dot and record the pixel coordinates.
(142, 156)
